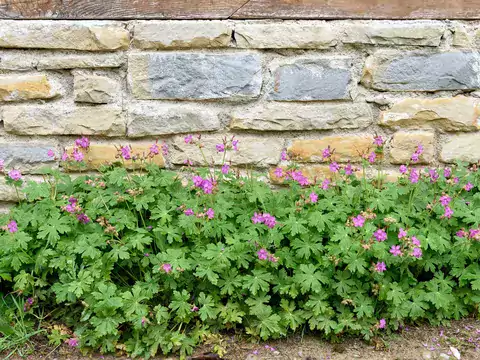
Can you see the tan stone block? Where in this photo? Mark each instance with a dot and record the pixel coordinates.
(57, 34)
(180, 34)
(95, 89)
(253, 150)
(79, 61)
(405, 143)
(459, 113)
(104, 154)
(462, 147)
(26, 87)
(289, 117)
(460, 37)
(285, 35)
(56, 120)
(347, 147)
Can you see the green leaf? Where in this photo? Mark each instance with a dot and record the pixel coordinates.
(258, 281)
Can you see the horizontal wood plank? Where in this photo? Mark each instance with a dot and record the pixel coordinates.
(240, 9)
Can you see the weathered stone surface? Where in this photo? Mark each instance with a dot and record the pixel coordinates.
(284, 35)
(460, 36)
(26, 87)
(347, 147)
(102, 154)
(463, 147)
(420, 33)
(256, 151)
(195, 76)
(94, 89)
(405, 143)
(26, 156)
(75, 35)
(311, 79)
(289, 117)
(56, 120)
(415, 71)
(16, 61)
(459, 113)
(79, 61)
(181, 34)
(162, 119)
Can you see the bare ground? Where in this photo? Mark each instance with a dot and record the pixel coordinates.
(412, 343)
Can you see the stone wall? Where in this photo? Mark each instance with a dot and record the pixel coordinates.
(300, 85)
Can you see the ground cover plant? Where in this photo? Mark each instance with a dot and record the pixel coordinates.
(155, 261)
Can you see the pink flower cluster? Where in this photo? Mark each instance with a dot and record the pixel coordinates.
(206, 185)
(473, 234)
(263, 254)
(416, 155)
(380, 235)
(264, 218)
(380, 267)
(74, 208)
(358, 221)
(15, 175)
(296, 175)
(210, 213)
(12, 226)
(445, 201)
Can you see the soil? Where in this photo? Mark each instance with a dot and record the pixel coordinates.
(412, 343)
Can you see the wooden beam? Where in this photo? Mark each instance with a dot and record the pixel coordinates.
(240, 9)
(360, 9)
(119, 9)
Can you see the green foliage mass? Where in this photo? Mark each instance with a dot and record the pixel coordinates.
(143, 275)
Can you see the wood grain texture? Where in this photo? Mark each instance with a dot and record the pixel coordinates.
(240, 9)
(119, 9)
(360, 9)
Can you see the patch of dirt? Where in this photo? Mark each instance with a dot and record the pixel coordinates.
(412, 343)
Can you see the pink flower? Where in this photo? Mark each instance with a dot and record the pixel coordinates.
(415, 157)
(197, 181)
(210, 213)
(433, 175)
(299, 177)
(188, 212)
(325, 184)
(334, 167)
(83, 142)
(445, 200)
(194, 308)
(474, 234)
(77, 155)
(207, 186)
(188, 139)
(257, 218)
(154, 149)
(403, 169)
(402, 233)
(468, 186)
(378, 140)
(461, 233)
(456, 180)
(220, 148)
(72, 342)
(414, 176)
(380, 235)
(2, 164)
(348, 169)
(167, 268)
(12, 226)
(262, 254)
(269, 220)
(83, 218)
(372, 157)
(417, 252)
(395, 250)
(225, 169)
(380, 267)
(283, 155)
(235, 145)
(278, 172)
(447, 172)
(187, 162)
(125, 150)
(326, 153)
(313, 197)
(164, 149)
(448, 212)
(51, 153)
(382, 324)
(415, 241)
(64, 156)
(358, 221)
(15, 175)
